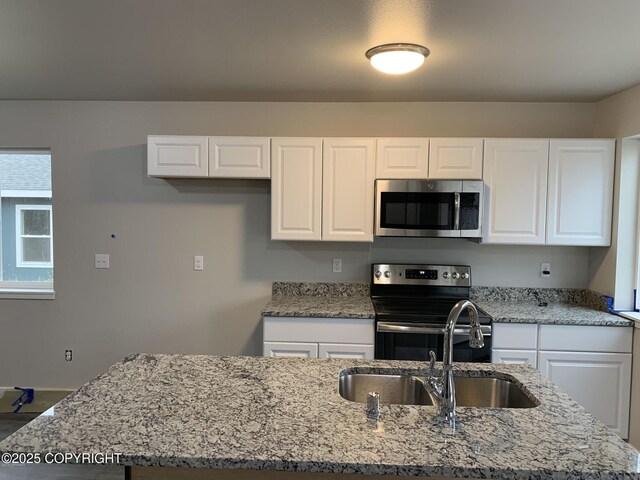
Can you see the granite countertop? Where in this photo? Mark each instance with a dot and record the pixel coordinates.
(327, 300)
(316, 306)
(553, 314)
(503, 305)
(286, 414)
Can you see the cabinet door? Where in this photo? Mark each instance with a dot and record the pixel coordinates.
(456, 158)
(580, 199)
(290, 349)
(517, 357)
(347, 189)
(239, 157)
(177, 156)
(402, 158)
(296, 189)
(345, 350)
(600, 382)
(515, 176)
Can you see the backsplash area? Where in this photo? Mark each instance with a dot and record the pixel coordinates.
(321, 289)
(576, 296)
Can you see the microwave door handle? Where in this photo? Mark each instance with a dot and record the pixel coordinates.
(456, 211)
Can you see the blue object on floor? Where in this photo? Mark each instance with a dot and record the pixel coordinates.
(25, 397)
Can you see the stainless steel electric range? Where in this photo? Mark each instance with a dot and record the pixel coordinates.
(412, 303)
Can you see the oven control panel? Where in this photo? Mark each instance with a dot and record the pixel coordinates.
(435, 275)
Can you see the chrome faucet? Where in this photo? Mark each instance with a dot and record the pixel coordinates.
(441, 387)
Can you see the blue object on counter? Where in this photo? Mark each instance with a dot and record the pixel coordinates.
(25, 397)
(609, 301)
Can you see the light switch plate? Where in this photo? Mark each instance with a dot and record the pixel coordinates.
(102, 260)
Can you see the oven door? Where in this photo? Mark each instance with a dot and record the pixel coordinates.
(421, 208)
(414, 341)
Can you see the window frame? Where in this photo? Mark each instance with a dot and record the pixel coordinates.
(19, 237)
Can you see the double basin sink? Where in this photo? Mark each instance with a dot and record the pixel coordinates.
(481, 392)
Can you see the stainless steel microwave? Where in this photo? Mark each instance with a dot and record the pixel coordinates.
(429, 208)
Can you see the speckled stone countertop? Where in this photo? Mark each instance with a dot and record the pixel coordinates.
(553, 314)
(286, 414)
(326, 307)
(566, 306)
(327, 300)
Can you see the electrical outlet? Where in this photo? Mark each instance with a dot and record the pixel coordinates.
(198, 263)
(545, 270)
(102, 260)
(337, 265)
(68, 355)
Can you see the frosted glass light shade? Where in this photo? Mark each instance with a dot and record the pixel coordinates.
(397, 58)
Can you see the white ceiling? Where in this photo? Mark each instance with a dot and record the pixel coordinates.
(313, 50)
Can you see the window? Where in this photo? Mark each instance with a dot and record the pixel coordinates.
(34, 239)
(26, 224)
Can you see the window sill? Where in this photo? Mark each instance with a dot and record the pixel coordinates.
(27, 293)
(635, 316)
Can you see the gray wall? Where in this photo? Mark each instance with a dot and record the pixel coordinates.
(619, 117)
(151, 300)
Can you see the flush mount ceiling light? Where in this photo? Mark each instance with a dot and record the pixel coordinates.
(397, 58)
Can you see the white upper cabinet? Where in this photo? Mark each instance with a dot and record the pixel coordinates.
(296, 189)
(580, 196)
(515, 176)
(402, 158)
(239, 157)
(456, 158)
(348, 180)
(181, 156)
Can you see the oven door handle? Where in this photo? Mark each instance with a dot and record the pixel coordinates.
(388, 327)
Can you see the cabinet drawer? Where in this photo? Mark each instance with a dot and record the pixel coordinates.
(515, 357)
(323, 330)
(578, 338)
(292, 349)
(515, 336)
(345, 350)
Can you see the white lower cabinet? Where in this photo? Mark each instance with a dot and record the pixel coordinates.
(600, 382)
(306, 337)
(290, 349)
(592, 364)
(515, 357)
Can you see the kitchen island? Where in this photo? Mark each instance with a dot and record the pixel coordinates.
(255, 415)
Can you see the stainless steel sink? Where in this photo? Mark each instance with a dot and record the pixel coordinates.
(481, 392)
(396, 389)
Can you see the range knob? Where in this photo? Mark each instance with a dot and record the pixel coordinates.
(465, 276)
(445, 275)
(378, 274)
(387, 274)
(455, 275)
